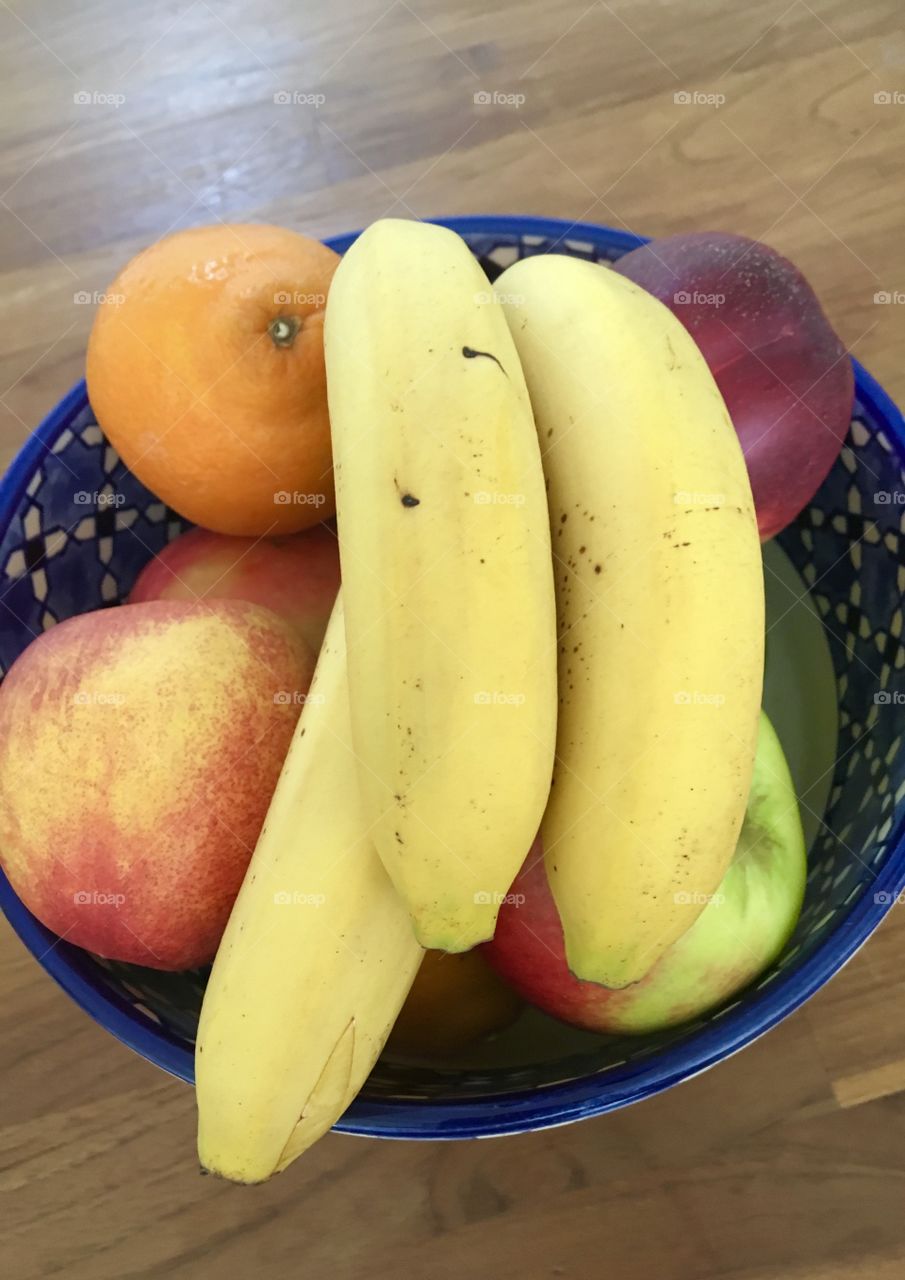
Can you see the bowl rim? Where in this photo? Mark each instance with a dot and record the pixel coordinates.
(517, 1111)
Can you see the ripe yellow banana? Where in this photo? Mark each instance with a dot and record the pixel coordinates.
(448, 584)
(660, 611)
(316, 960)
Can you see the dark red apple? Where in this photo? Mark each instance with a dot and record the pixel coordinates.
(784, 373)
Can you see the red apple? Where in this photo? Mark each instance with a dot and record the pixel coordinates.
(297, 576)
(139, 749)
(784, 373)
(741, 930)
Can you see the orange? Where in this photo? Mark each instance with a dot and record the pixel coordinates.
(206, 373)
(455, 1002)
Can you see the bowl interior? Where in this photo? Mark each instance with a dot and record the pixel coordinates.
(76, 528)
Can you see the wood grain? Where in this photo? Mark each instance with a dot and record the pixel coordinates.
(789, 1159)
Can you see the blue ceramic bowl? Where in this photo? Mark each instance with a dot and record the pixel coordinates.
(58, 559)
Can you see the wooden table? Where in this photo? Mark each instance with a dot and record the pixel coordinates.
(788, 1160)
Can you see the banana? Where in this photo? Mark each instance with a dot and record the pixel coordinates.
(445, 551)
(660, 612)
(316, 960)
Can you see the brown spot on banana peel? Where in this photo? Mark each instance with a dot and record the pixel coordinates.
(407, 499)
(471, 354)
(326, 1102)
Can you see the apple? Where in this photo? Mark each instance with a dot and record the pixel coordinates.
(297, 575)
(741, 930)
(784, 373)
(139, 749)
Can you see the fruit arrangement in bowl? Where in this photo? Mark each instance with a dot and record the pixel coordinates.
(434, 711)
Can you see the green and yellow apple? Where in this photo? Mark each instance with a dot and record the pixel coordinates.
(742, 929)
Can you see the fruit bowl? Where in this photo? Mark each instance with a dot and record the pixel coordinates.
(76, 528)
